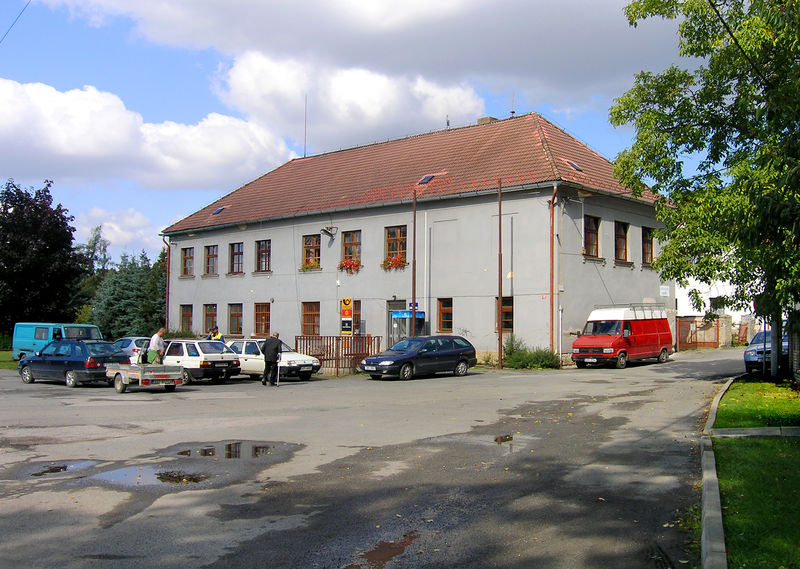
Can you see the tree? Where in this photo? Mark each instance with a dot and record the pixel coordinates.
(736, 216)
(38, 268)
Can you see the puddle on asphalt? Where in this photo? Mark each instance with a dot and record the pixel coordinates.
(65, 466)
(385, 551)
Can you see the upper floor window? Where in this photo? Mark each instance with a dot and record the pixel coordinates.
(212, 256)
(351, 245)
(620, 241)
(311, 248)
(187, 261)
(263, 256)
(237, 258)
(591, 231)
(396, 242)
(647, 246)
(445, 315)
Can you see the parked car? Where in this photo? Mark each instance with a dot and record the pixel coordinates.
(132, 345)
(32, 337)
(421, 355)
(759, 348)
(290, 364)
(202, 359)
(71, 361)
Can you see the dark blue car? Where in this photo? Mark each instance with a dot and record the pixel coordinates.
(422, 355)
(71, 361)
(759, 348)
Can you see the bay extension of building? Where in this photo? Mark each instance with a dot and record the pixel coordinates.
(508, 220)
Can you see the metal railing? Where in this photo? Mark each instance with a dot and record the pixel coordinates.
(338, 354)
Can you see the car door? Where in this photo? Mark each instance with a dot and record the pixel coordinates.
(447, 355)
(251, 359)
(41, 366)
(62, 360)
(174, 355)
(426, 360)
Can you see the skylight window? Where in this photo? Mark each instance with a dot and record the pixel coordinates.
(218, 210)
(574, 166)
(425, 180)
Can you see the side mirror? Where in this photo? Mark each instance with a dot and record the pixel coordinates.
(578, 333)
(626, 333)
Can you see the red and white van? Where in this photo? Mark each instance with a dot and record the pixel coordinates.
(618, 334)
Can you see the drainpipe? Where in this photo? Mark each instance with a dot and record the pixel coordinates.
(552, 258)
(499, 273)
(166, 298)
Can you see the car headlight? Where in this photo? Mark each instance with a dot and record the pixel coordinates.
(363, 362)
(386, 363)
(576, 350)
(750, 353)
(315, 361)
(608, 350)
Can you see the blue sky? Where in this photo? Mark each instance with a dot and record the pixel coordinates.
(144, 112)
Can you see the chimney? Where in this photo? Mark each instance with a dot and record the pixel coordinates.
(486, 120)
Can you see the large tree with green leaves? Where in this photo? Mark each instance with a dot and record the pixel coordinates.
(39, 270)
(733, 114)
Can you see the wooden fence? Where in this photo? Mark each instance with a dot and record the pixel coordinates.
(338, 354)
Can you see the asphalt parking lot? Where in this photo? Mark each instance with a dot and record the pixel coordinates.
(569, 468)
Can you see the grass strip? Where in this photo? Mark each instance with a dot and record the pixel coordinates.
(749, 404)
(758, 480)
(6, 362)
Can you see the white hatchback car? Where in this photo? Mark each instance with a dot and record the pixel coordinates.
(290, 364)
(202, 359)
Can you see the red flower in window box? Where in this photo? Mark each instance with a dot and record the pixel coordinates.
(350, 265)
(310, 266)
(394, 262)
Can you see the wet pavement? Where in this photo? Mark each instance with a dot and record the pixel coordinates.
(575, 468)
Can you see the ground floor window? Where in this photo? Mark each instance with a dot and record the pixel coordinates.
(235, 319)
(311, 319)
(209, 317)
(507, 314)
(186, 316)
(445, 314)
(262, 319)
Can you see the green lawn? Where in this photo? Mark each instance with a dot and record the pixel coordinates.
(6, 362)
(758, 404)
(759, 477)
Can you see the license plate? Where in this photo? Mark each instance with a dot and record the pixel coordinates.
(370, 368)
(221, 365)
(305, 368)
(590, 360)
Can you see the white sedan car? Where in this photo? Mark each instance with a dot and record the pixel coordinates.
(202, 359)
(290, 364)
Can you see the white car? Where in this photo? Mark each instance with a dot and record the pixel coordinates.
(290, 363)
(202, 359)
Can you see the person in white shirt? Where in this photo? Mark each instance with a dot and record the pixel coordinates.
(155, 351)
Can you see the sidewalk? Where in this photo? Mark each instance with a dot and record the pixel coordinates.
(713, 536)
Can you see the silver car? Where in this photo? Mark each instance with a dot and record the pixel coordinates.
(132, 346)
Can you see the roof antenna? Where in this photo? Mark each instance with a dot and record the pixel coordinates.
(513, 112)
(448, 120)
(305, 126)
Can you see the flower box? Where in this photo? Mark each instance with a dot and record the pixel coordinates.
(350, 265)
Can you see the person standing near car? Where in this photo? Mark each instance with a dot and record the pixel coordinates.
(214, 334)
(155, 350)
(271, 350)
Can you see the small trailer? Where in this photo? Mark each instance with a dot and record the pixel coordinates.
(144, 375)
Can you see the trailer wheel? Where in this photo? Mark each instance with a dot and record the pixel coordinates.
(119, 385)
(169, 388)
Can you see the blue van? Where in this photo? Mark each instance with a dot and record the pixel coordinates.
(31, 337)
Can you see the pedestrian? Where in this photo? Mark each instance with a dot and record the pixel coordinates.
(271, 350)
(215, 335)
(155, 349)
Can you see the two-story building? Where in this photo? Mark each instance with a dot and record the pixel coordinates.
(511, 223)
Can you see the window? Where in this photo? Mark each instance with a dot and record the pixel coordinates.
(263, 256)
(445, 315)
(351, 245)
(591, 229)
(647, 246)
(235, 319)
(237, 258)
(174, 349)
(186, 316)
(396, 242)
(209, 317)
(40, 333)
(620, 241)
(262, 319)
(311, 318)
(211, 265)
(356, 318)
(187, 262)
(311, 251)
(507, 314)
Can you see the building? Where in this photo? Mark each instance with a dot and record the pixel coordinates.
(281, 252)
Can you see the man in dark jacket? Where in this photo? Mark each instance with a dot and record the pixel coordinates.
(271, 350)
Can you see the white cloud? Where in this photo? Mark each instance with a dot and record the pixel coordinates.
(128, 231)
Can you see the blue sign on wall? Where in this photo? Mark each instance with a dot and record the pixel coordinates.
(406, 314)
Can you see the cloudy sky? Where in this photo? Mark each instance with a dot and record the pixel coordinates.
(143, 112)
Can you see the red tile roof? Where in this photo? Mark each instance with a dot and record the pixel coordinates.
(523, 150)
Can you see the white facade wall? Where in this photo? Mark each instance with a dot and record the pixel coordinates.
(457, 257)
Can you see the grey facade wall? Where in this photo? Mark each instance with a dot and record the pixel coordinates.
(457, 258)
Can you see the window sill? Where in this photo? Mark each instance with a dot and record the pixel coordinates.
(210, 276)
(234, 274)
(626, 264)
(591, 259)
(314, 270)
(647, 266)
(257, 273)
(187, 277)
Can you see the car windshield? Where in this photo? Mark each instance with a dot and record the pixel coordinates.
(407, 345)
(765, 337)
(602, 328)
(101, 349)
(215, 348)
(141, 342)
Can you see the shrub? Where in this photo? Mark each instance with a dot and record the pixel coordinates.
(517, 355)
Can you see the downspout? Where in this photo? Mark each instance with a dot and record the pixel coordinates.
(552, 259)
(166, 299)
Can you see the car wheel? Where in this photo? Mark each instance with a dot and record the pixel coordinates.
(119, 385)
(622, 360)
(461, 368)
(169, 388)
(70, 378)
(26, 375)
(187, 376)
(407, 371)
(376, 377)
(663, 356)
(580, 364)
